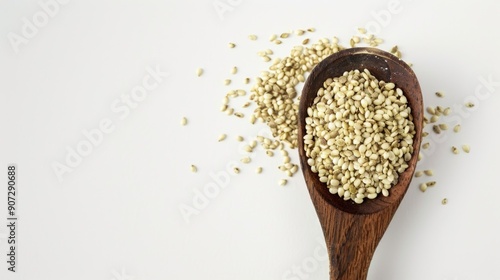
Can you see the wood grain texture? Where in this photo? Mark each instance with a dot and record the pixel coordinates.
(352, 231)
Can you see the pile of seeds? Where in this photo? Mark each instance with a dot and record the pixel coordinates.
(275, 100)
(359, 135)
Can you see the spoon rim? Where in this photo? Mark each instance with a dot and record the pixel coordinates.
(377, 62)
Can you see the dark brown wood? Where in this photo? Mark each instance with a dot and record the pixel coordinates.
(352, 231)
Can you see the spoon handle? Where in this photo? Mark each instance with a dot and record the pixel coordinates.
(351, 240)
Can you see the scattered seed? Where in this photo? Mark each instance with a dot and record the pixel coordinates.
(431, 183)
(246, 81)
(194, 169)
(299, 32)
(436, 129)
(457, 128)
(443, 126)
(362, 30)
(234, 70)
(266, 58)
(431, 110)
(230, 111)
(447, 111)
(248, 149)
(284, 35)
(199, 72)
(223, 108)
(222, 137)
(239, 115)
(418, 174)
(246, 104)
(246, 160)
(227, 82)
(269, 153)
(425, 145)
(311, 29)
(466, 148)
(184, 121)
(240, 138)
(425, 134)
(455, 150)
(282, 182)
(469, 104)
(444, 201)
(258, 170)
(232, 45)
(394, 49)
(236, 170)
(419, 157)
(273, 37)
(252, 37)
(305, 42)
(277, 42)
(423, 187)
(428, 172)
(439, 94)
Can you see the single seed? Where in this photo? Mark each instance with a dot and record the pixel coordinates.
(466, 148)
(184, 121)
(443, 126)
(199, 72)
(222, 137)
(247, 80)
(223, 108)
(431, 183)
(282, 182)
(362, 30)
(269, 153)
(419, 157)
(194, 169)
(447, 111)
(311, 29)
(258, 170)
(423, 187)
(434, 119)
(266, 58)
(397, 54)
(436, 129)
(418, 174)
(248, 149)
(444, 201)
(299, 32)
(227, 82)
(239, 115)
(425, 145)
(428, 172)
(230, 111)
(469, 104)
(439, 94)
(284, 35)
(431, 110)
(277, 42)
(252, 37)
(232, 45)
(394, 49)
(305, 42)
(240, 138)
(234, 70)
(236, 170)
(273, 37)
(457, 128)
(455, 150)
(246, 104)
(425, 134)
(245, 160)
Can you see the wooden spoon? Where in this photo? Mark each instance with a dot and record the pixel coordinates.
(352, 231)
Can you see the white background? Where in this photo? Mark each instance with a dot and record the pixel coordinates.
(117, 215)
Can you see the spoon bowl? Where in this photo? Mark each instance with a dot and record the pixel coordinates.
(352, 231)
